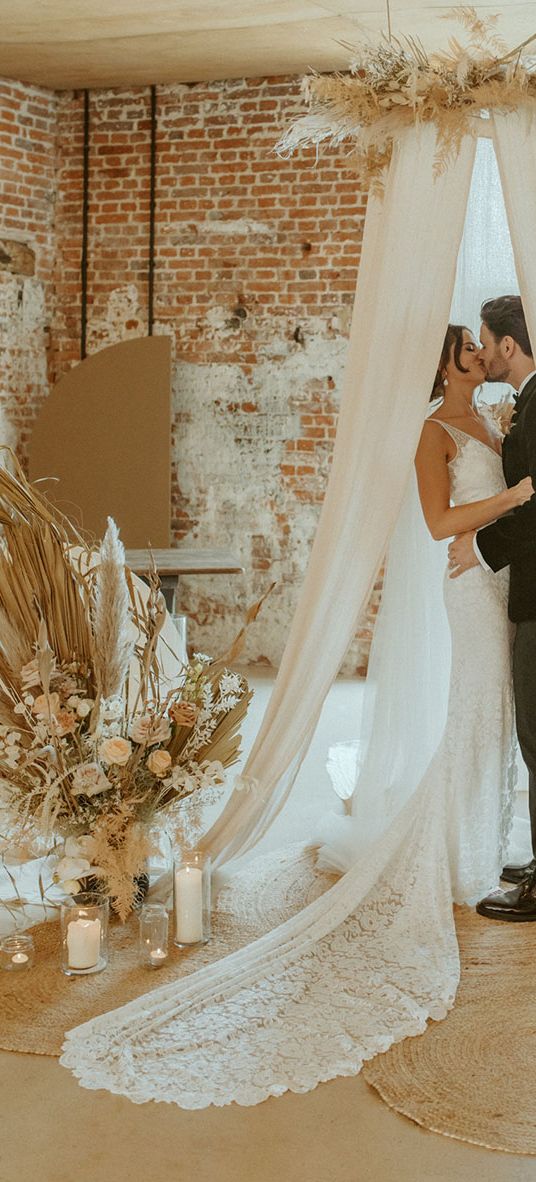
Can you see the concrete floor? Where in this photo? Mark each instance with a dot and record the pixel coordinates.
(54, 1131)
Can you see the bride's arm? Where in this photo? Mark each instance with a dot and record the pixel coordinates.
(444, 521)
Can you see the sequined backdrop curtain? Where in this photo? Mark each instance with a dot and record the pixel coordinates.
(486, 261)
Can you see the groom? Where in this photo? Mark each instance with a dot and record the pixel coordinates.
(508, 356)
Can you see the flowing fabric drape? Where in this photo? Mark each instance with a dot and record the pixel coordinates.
(371, 960)
(514, 138)
(404, 291)
(406, 696)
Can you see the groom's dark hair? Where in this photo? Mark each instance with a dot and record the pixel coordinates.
(504, 316)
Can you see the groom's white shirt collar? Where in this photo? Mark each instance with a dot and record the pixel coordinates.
(528, 378)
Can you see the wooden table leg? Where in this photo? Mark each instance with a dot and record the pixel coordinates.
(169, 585)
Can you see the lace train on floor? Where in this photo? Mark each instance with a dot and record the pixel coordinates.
(329, 997)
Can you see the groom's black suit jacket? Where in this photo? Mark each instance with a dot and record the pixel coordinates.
(512, 539)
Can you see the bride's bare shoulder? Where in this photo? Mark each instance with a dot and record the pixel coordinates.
(434, 446)
(428, 428)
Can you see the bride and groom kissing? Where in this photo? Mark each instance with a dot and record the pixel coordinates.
(476, 488)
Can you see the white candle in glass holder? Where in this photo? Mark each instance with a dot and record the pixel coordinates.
(20, 958)
(189, 904)
(83, 943)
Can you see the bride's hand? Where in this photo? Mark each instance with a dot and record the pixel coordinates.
(522, 492)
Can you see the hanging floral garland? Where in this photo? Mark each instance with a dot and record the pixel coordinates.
(396, 84)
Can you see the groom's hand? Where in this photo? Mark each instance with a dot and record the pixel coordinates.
(461, 555)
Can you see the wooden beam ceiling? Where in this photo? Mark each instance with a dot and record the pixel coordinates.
(65, 44)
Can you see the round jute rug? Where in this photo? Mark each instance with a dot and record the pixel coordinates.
(38, 1007)
(472, 1076)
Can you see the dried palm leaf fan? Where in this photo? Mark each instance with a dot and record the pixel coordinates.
(39, 580)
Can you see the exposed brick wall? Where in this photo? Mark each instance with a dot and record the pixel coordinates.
(28, 124)
(256, 265)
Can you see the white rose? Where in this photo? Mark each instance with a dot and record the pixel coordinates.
(89, 779)
(84, 707)
(71, 868)
(159, 763)
(116, 750)
(83, 846)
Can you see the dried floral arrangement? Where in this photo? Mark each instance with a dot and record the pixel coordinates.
(396, 84)
(95, 739)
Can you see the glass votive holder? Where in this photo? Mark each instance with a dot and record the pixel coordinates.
(181, 624)
(84, 934)
(191, 898)
(153, 943)
(16, 952)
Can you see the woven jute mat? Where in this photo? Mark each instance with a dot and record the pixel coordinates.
(472, 1076)
(38, 1007)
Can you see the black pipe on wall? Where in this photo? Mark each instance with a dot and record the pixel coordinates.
(85, 221)
(152, 202)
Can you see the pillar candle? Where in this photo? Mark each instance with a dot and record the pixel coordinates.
(189, 904)
(83, 943)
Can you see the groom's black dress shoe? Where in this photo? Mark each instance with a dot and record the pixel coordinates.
(516, 906)
(518, 873)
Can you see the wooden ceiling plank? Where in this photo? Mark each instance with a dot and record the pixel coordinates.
(289, 46)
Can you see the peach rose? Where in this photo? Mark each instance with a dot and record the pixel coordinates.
(159, 763)
(184, 713)
(45, 706)
(116, 751)
(148, 730)
(65, 722)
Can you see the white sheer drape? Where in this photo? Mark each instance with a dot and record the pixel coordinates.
(406, 698)
(405, 285)
(514, 137)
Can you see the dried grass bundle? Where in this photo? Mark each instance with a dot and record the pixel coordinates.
(396, 84)
(112, 646)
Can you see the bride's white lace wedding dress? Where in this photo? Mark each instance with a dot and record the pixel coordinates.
(378, 955)
(474, 765)
(476, 757)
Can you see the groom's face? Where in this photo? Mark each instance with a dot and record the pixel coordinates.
(492, 354)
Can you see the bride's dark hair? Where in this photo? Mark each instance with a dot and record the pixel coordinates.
(453, 336)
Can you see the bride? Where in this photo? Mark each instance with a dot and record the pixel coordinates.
(451, 465)
(378, 956)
